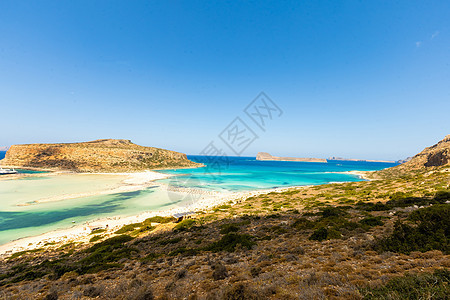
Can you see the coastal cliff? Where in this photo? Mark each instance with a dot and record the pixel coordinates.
(107, 155)
(267, 156)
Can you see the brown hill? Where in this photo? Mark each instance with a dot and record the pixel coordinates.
(108, 155)
(434, 157)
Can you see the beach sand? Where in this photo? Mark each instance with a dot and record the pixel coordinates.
(203, 201)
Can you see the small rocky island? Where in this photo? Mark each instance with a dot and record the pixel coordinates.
(106, 155)
(267, 156)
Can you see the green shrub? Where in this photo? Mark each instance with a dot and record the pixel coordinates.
(20, 253)
(99, 257)
(105, 254)
(224, 206)
(442, 196)
(227, 228)
(370, 206)
(230, 241)
(328, 212)
(430, 230)
(371, 221)
(185, 225)
(128, 228)
(417, 286)
(323, 234)
(98, 231)
(95, 238)
(302, 224)
(111, 243)
(400, 199)
(151, 257)
(158, 219)
(320, 234)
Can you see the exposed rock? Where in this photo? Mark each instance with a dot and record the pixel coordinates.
(290, 257)
(434, 156)
(220, 271)
(230, 260)
(437, 155)
(267, 156)
(402, 161)
(107, 155)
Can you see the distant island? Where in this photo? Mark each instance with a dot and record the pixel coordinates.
(106, 155)
(267, 156)
(367, 160)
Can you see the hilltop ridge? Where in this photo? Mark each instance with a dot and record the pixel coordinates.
(103, 155)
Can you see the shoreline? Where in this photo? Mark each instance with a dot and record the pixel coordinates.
(82, 232)
(204, 200)
(56, 170)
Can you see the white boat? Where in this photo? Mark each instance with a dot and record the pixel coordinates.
(7, 171)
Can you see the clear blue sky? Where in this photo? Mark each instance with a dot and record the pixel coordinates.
(362, 79)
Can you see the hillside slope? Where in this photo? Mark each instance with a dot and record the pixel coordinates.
(434, 156)
(108, 155)
(430, 159)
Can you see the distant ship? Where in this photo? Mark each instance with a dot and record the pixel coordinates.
(7, 171)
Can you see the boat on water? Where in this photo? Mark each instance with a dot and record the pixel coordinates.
(7, 171)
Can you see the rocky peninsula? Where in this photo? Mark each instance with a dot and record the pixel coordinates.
(105, 155)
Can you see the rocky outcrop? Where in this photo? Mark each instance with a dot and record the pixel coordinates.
(431, 158)
(267, 156)
(108, 155)
(434, 156)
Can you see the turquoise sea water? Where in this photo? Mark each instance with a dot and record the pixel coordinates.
(231, 175)
(247, 173)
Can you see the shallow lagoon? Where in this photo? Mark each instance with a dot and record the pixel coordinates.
(238, 174)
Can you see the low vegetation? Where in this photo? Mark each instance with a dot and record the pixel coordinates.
(381, 239)
(413, 286)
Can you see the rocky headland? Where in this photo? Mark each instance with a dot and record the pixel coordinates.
(106, 155)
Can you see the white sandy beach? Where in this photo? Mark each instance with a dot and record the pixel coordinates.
(131, 182)
(204, 200)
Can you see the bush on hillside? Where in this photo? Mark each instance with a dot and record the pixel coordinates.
(427, 229)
